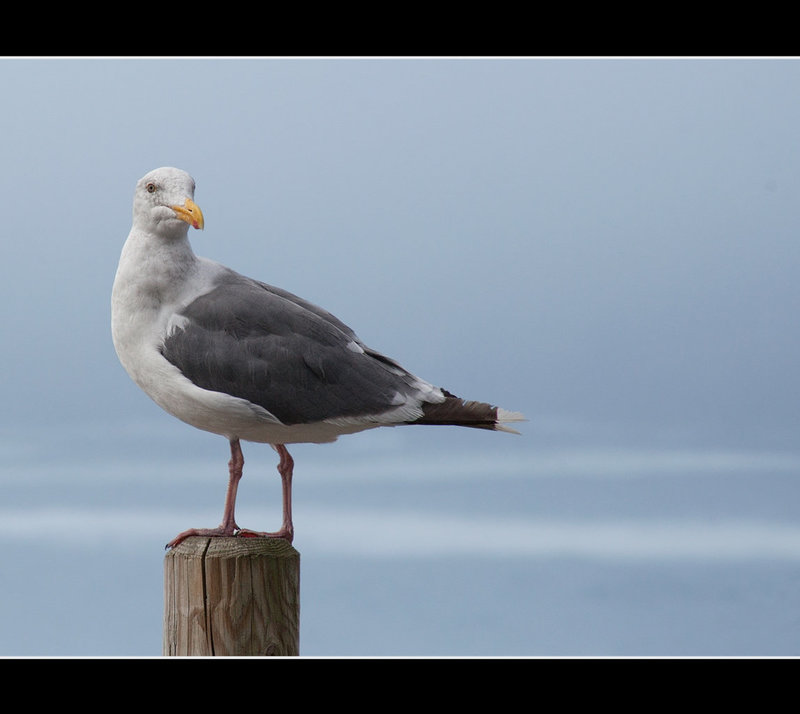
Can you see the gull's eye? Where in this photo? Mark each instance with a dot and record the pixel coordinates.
(151, 188)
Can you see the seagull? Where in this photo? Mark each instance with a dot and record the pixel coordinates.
(249, 361)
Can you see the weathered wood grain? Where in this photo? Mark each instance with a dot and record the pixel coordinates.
(232, 597)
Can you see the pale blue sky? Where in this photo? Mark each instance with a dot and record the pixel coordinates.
(604, 242)
(610, 246)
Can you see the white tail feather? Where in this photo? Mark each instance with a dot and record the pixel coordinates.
(504, 416)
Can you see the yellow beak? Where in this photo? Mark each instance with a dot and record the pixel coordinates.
(191, 213)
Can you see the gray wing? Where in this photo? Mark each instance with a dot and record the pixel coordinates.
(296, 360)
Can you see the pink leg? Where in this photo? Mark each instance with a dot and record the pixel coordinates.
(285, 469)
(228, 526)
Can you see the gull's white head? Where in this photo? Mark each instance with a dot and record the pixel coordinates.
(164, 203)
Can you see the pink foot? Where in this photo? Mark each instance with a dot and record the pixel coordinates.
(286, 534)
(218, 532)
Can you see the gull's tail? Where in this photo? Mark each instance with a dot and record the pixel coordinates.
(460, 412)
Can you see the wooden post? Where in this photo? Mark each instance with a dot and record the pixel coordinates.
(232, 596)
